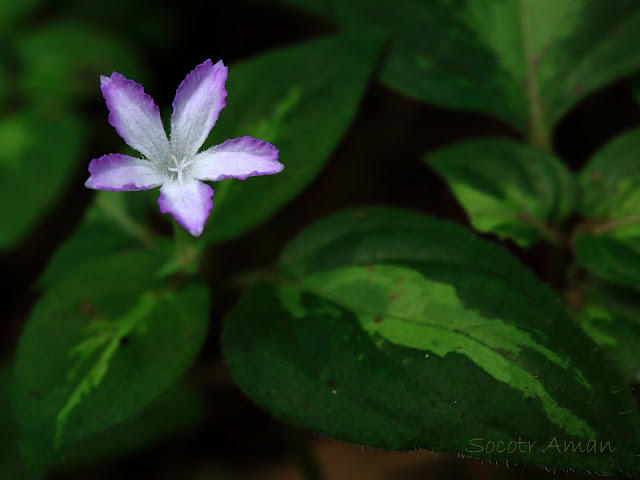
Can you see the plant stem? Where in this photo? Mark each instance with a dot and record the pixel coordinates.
(128, 224)
(186, 249)
(599, 228)
(247, 279)
(539, 134)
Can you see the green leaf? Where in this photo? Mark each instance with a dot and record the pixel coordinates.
(63, 61)
(11, 13)
(5, 79)
(97, 348)
(115, 222)
(397, 331)
(301, 99)
(610, 258)
(174, 412)
(11, 465)
(40, 150)
(525, 61)
(611, 317)
(507, 188)
(608, 243)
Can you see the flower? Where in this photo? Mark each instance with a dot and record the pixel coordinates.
(175, 164)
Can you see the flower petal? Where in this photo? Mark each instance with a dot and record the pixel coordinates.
(188, 203)
(122, 172)
(135, 116)
(196, 107)
(237, 158)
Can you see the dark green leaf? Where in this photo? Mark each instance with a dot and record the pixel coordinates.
(302, 100)
(11, 465)
(608, 243)
(610, 183)
(507, 188)
(611, 316)
(527, 62)
(398, 331)
(5, 80)
(174, 412)
(611, 258)
(12, 12)
(40, 150)
(97, 348)
(115, 221)
(63, 61)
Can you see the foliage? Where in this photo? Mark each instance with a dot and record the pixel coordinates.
(377, 325)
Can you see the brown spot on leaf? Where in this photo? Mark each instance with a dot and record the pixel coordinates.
(400, 280)
(458, 346)
(85, 307)
(35, 394)
(371, 268)
(573, 297)
(377, 319)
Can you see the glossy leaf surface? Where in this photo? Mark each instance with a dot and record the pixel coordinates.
(507, 188)
(525, 61)
(394, 330)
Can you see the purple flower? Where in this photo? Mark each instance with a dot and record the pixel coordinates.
(175, 164)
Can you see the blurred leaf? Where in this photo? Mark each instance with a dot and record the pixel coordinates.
(397, 331)
(40, 149)
(11, 465)
(63, 61)
(611, 317)
(115, 222)
(507, 188)
(4, 82)
(12, 12)
(97, 348)
(525, 61)
(610, 183)
(176, 411)
(301, 99)
(146, 21)
(608, 243)
(610, 258)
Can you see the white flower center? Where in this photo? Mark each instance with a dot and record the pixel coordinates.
(180, 166)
